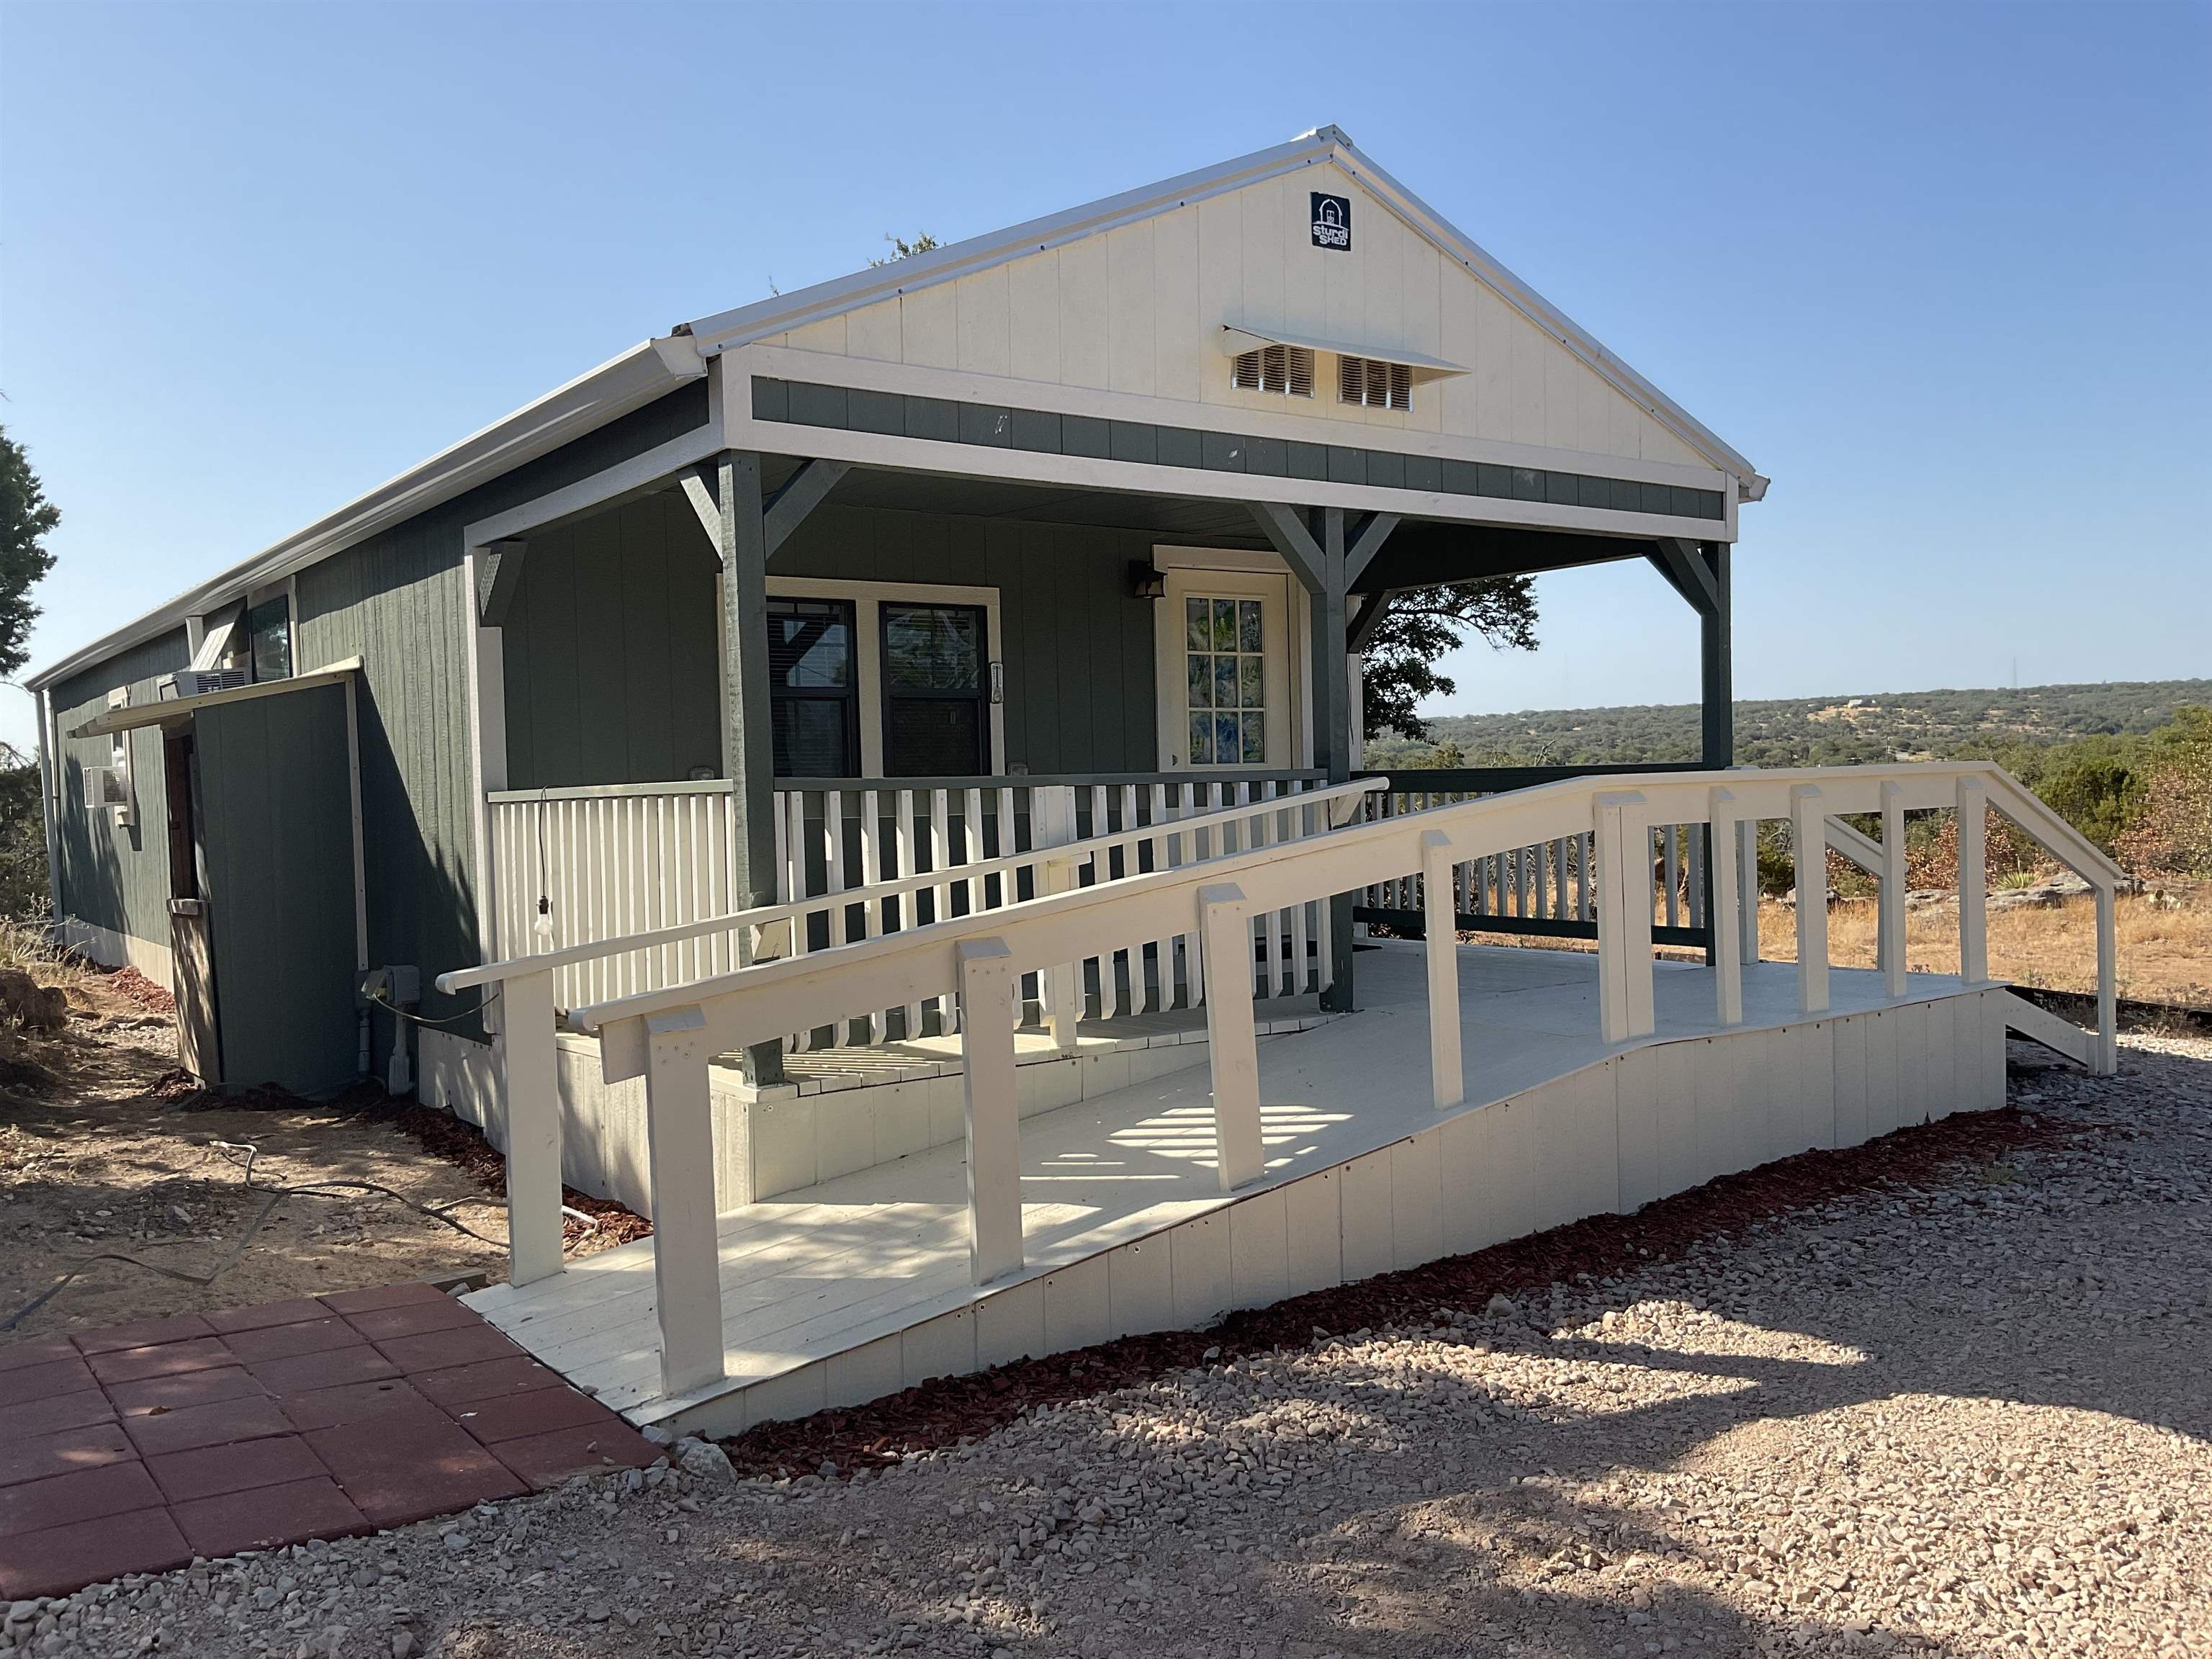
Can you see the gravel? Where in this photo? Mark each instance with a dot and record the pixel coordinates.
(1965, 1416)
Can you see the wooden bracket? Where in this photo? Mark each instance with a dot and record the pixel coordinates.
(1373, 532)
(1687, 574)
(803, 491)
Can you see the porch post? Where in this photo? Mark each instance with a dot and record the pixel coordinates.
(1332, 690)
(748, 748)
(1717, 679)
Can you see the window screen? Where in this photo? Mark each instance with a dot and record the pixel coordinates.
(936, 703)
(813, 696)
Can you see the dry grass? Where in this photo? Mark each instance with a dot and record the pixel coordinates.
(2165, 946)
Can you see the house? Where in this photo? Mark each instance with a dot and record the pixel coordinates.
(851, 609)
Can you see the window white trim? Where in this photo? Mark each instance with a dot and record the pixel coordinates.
(867, 600)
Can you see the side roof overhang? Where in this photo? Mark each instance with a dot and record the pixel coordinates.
(654, 367)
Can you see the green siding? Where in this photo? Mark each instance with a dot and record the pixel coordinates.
(115, 878)
(276, 797)
(609, 643)
(1077, 648)
(610, 652)
(398, 602)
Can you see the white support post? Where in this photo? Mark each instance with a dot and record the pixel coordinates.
(988, 982)
(1623, 839)
(1808, 851)
(1892, 929)
(1052, 824)
(1232, 1044)
(1722, 893)
(1973, 881)
(1440, 937)
(1747, 888)
(533, 1129)
(2108, 966)
(687, 1269)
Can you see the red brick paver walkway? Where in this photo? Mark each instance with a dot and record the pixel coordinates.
(136, 1448)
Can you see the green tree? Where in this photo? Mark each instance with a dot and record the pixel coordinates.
(902, 249)
(27, 518)
(1399, 664)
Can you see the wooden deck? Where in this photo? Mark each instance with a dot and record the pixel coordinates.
(857, 1287)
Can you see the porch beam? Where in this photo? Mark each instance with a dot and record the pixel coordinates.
(1678, 561)
(1374, 608)
(498, 573)
(803, 491)
(1287, 530)
(747, 747)
(699, 487)
(1367, 543)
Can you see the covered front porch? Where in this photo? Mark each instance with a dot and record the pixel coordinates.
(759, 678)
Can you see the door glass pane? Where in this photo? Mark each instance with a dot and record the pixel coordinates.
(1197, 634)
(1225, 680)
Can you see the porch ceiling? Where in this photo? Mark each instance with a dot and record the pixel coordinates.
(1418, 552)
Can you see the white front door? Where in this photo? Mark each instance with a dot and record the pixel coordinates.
(1223, 645)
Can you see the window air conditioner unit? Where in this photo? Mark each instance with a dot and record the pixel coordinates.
(198, 682)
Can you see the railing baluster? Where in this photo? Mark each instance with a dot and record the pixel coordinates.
(1232, 1042)
(1728, 938)
(993, 1110)
(1440, 948)
(1973, 882)
(1891, 899)
(908, 863)
(528, 1067)
(687, 1272)
(871, 871)
(1809, 850)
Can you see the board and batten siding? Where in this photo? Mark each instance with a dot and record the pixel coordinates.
(398, 601)
(112, 876)
(610, 652)
(1076, 644)
(610, 642)
(1139, 309)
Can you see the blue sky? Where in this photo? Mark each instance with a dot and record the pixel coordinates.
(1939, 271)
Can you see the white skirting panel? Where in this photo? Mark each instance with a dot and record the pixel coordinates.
(1609, 1136)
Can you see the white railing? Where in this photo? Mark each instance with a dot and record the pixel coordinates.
(669, 1036)
(586, 865)
(1544, 888)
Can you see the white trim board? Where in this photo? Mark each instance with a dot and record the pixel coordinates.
(1260, 419)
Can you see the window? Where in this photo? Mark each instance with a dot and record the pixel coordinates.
(1374, 383)
(1225, 661)
(269, 638)
(1288, 370)
(813, 694)
(936, 691)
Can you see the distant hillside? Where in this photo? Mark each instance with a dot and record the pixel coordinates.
(1812, 731)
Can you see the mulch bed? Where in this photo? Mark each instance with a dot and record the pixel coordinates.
(944, 1413)
(135, 987)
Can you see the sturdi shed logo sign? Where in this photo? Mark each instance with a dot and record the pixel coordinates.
(1332, 222)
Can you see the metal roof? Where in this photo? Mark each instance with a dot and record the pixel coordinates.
(655, 367)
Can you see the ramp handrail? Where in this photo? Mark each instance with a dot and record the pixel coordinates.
(669, 1036)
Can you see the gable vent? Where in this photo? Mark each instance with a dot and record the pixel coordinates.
(1373, 383)
(1287, 370)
